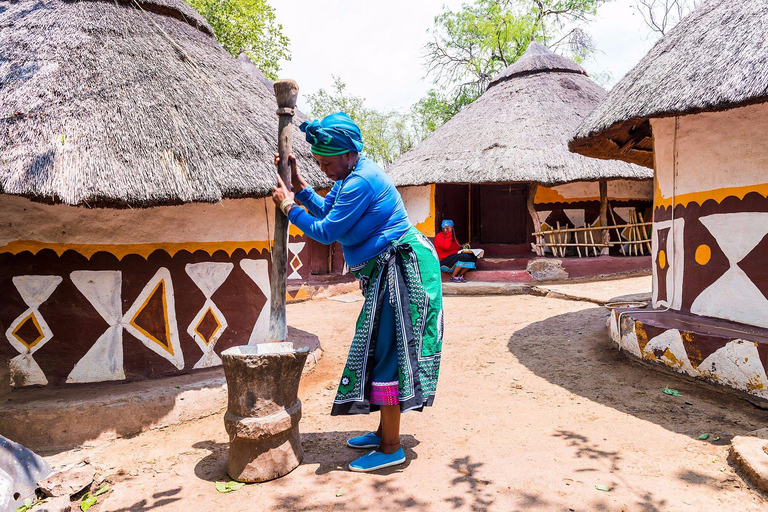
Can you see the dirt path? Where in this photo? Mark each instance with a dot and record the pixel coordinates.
(535, 409)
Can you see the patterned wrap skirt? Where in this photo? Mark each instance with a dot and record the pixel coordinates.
(395, 354)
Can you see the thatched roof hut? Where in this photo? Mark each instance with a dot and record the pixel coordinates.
(716, 58)
(517, 131)
(118, 103)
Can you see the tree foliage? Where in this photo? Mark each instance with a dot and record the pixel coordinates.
(386, 135)
(471, 45)
(247, 25)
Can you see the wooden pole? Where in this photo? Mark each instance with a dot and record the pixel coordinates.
(606, 238)
(531, 205)
(286, 92)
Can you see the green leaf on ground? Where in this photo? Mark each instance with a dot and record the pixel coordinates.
(28, 505)
(688, 403)
(88, 501)
(673, 392)
(229, 486)
(602, 488)
(339, 493)
(704, 436)
(104, 488)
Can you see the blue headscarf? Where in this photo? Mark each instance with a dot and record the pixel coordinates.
(335, 135)
(446, 222)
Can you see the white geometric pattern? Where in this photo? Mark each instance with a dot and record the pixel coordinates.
(172, 352)
(734, 296)
(576, 216)
(208, 276)
(258, 271)
(737, 364)
(673, 353)
(104, 360)
(675, 258)
(295, 263)
(34, 290)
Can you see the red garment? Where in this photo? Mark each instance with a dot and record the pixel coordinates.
(446, 245)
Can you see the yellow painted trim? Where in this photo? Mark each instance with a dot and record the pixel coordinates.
(546, 195)
(144, 250)
(427, 226)
(215, 331)
(168, 348)
(700, 197)
(37, 325)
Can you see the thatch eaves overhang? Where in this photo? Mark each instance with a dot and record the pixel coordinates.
(716, 58)
(517, 131)
(121, 104)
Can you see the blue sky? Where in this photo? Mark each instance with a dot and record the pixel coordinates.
(376, 46)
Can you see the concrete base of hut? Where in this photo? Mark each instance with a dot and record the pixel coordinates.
(50, 420)
(717, 351)
(321, 286)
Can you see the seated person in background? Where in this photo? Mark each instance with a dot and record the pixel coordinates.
(452, 258)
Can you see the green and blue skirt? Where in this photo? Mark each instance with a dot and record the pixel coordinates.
(394, 358)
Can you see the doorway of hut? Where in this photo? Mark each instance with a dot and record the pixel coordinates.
(492, 217)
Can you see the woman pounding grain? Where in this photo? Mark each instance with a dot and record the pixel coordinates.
(394, 358)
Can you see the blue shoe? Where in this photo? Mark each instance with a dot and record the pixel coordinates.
(369, 440)
(374, 460)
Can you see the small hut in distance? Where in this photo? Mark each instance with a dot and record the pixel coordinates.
(501, 169)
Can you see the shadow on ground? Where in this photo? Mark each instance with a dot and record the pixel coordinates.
(574, 351)
(327, 450)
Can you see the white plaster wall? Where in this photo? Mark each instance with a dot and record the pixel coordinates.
(578, 190)
(418, 202)
(628, 189)
(715, 150)
(230, 220)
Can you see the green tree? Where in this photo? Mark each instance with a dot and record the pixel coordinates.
(471, 45)
(247, 25)
(386, 135)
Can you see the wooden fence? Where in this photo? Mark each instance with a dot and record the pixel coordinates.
(595, 240)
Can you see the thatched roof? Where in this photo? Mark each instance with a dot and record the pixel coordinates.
(517, 131)
(130, 103)
(714, 59)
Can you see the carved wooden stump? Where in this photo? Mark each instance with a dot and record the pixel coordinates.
(263, 412)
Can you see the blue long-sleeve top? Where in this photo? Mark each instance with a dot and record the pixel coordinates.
(364, 213)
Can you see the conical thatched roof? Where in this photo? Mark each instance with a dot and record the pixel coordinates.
(130, 103)
(517, 131)
(716, 58)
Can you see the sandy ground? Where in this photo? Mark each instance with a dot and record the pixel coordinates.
(535, 408)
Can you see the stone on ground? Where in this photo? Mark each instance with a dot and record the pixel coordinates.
(69, 480)
(547, 269)
(750, 456)
(60, 504)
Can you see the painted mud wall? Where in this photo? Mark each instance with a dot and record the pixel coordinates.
(94, 295)
(578, 204)
(710, 238)
(420, 203)
(573, 204)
